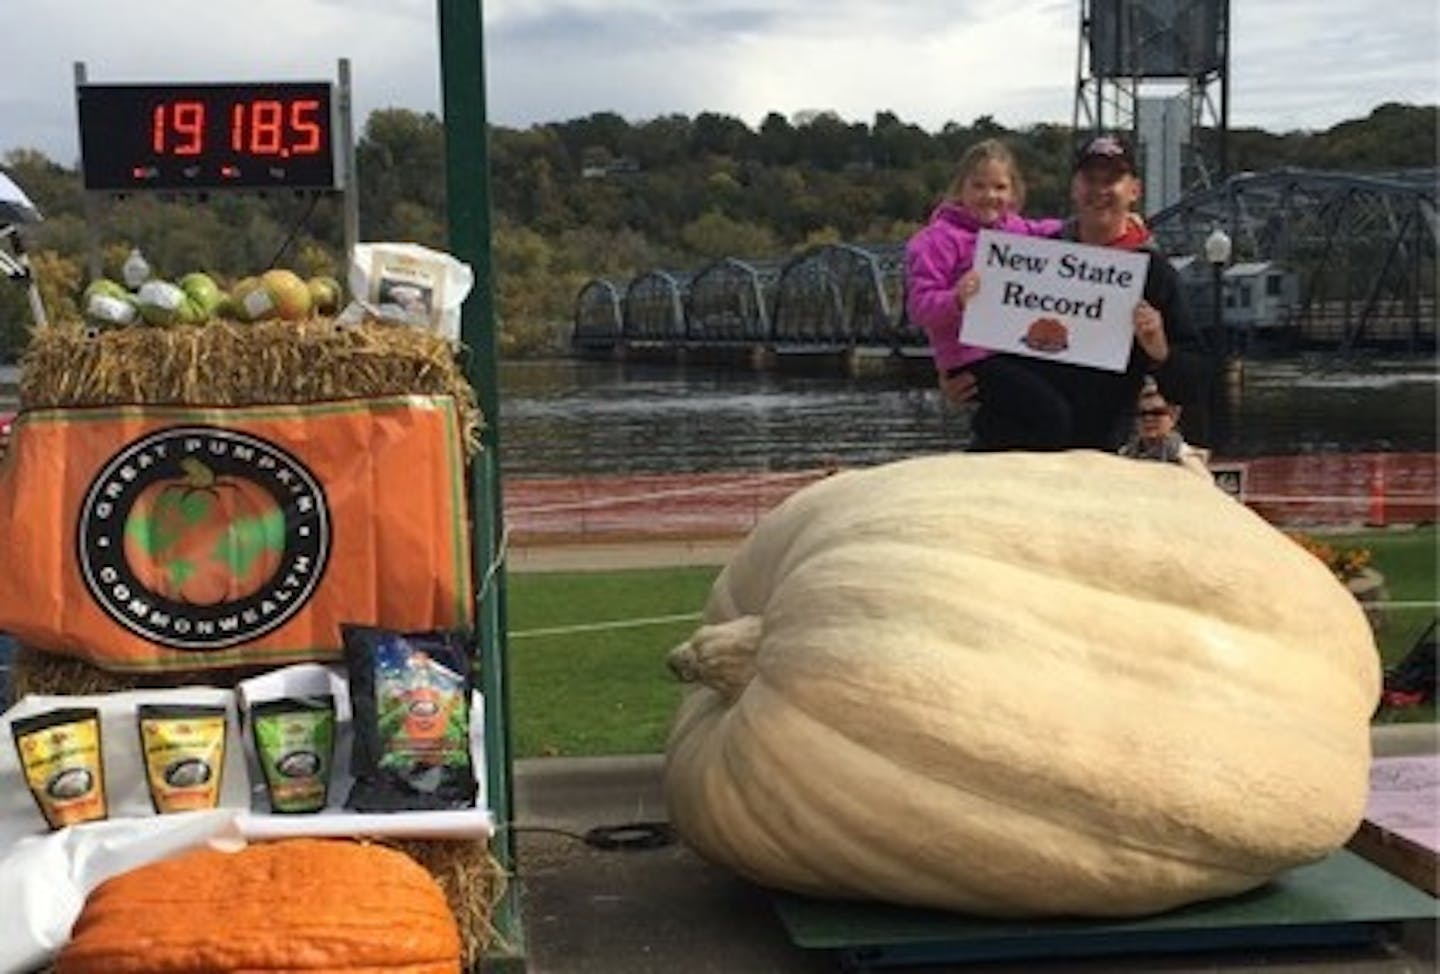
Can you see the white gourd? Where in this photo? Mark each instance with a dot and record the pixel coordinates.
(1021, 684)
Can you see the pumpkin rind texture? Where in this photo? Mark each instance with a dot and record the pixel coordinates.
(1021, 684)
(312, 905)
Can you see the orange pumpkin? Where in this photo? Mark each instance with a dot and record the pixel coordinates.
(426, 715)
(202, 539)
(298, 905)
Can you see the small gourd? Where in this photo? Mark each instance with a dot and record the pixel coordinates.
(1011, 684)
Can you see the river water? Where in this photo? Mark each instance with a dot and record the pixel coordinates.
(567, 417)
(586, 417)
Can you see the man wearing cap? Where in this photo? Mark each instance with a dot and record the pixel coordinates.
(1104, 189)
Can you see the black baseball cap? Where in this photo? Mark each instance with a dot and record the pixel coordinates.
(1108, 150)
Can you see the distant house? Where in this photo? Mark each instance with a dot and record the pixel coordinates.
(614, 167)
(1256, 294)
(1259, 294)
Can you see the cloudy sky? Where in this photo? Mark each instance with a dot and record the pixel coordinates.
(1296, 64)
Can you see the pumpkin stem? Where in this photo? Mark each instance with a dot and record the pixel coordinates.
(722, 656)
(197, 475)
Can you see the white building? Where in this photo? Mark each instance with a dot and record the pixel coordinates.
(1256, 294)
(1259, 294)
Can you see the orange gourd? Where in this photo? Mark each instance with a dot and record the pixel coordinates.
(203, 539)
(311, 905)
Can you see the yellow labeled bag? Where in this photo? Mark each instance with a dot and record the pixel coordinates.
(151, 538)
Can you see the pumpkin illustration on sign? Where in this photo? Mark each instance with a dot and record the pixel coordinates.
(202, 539)
(1046, 335)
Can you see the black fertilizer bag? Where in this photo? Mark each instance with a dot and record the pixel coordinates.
(410, 703)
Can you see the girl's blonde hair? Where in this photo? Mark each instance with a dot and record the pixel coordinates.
(988, 150)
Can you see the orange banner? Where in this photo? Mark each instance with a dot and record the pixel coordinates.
(149, 538)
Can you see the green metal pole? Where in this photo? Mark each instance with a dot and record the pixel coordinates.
(467, 193)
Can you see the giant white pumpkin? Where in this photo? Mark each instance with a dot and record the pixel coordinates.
(1016, 684)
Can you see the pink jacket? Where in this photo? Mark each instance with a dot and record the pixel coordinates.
(934, 260)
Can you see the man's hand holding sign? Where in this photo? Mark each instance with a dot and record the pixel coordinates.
(1062, 301)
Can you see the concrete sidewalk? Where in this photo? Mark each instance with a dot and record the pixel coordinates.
(665, 911)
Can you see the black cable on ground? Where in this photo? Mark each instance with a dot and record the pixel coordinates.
(629, 837)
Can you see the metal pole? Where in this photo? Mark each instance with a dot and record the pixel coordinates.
(467, 186)
(1217, 317)
(349, 186)
(92, 204)
(1225, 91)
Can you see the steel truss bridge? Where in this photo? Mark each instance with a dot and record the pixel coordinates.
(1362, 249)
(829, 298)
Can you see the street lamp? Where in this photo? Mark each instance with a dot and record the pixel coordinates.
(1217, 255)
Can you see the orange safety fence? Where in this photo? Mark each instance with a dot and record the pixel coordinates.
(1347, 489)
(1335, 490)
(644, 506)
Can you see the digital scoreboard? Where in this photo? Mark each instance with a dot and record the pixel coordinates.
(179, 137)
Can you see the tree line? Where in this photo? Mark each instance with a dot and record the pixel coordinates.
(601, 196)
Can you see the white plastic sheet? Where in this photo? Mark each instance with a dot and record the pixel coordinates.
(45, 876)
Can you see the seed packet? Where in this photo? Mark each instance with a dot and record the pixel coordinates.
(410, 703)
(61, 760)
(183, 749)
(295, 744)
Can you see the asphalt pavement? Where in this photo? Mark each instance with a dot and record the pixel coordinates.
(663, 910)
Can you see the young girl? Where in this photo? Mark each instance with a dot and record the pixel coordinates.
(1020, 408)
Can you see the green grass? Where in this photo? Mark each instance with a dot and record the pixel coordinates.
(601, 691)
(1408, 560)
(607, 691)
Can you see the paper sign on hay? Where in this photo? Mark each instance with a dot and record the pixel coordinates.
(150, 538)
(1054, 299)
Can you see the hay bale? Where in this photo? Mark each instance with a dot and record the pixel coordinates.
(50, 674)
(473, 881)
(229, 364)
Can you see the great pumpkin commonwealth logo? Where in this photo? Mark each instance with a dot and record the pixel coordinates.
(200, 538)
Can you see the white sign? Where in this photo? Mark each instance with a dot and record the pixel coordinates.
(1230, 477)
(1055, 299)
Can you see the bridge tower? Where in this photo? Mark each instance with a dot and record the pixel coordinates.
(1158, 71)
